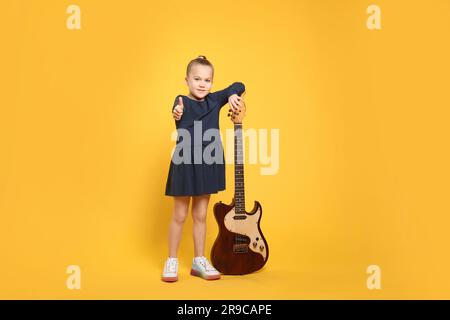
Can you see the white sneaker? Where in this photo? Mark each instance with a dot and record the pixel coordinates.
(203, 269)
(170, 273)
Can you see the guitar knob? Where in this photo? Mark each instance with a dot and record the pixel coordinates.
(254, 244)
(257, 238)
(261, 248)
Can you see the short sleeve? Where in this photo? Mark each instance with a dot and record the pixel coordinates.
(223, 95)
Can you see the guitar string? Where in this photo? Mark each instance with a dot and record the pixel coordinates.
(241, 202)
(239, 239)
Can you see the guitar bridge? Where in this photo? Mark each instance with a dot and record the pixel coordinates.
(240, 248)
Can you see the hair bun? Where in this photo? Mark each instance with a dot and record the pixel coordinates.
(202, 57)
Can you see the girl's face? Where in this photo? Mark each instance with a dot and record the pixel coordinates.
(199, 81)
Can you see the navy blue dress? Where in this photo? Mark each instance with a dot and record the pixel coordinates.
(190, 178)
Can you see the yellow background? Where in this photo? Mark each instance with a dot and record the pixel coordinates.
(364, 131)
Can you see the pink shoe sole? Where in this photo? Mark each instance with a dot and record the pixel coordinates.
(206, 277)
(169, 279)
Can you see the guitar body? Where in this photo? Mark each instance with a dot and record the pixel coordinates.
(240, 247)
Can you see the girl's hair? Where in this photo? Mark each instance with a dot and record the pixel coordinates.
(199, 60)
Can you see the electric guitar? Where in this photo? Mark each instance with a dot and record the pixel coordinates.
(240, 247)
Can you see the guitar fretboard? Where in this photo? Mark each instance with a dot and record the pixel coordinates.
(239, 193)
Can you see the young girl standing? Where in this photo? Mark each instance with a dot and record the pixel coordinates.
(191, 179)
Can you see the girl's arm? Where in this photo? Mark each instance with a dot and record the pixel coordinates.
(177, 109)
(223, 95)
(175, 103)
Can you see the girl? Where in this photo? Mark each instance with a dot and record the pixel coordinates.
(190, 178)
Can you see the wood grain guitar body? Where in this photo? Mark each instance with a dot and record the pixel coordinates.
(240, 247)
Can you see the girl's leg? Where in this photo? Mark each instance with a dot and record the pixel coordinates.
(199, 208)
(180, 211)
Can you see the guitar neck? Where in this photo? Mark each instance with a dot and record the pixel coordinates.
(239, 190)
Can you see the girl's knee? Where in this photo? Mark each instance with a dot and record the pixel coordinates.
(199, 208)
(180, 210)
(179, 216)
(199, 217)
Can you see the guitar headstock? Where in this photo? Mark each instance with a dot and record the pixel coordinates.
(237, 116)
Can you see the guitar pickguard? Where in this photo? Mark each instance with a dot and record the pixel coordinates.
(248, 227)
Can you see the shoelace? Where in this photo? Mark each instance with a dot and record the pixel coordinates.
(171, 265)
(205, 263)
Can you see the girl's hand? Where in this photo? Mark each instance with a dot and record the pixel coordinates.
(178, 110)
(235, 102)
